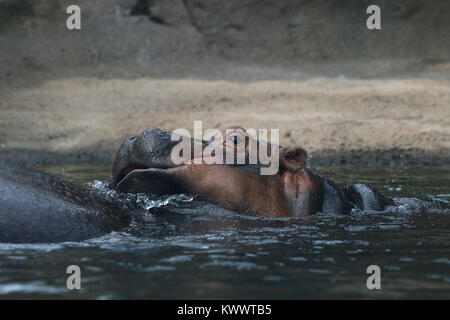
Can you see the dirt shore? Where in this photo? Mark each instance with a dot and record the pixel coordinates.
(336, 120)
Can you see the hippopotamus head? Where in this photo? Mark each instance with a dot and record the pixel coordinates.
(228, 168)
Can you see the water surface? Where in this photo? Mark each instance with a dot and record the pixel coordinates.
(199, 250)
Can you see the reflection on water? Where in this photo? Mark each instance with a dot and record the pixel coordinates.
(198, 250)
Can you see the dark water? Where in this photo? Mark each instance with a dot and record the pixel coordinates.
(202, 251)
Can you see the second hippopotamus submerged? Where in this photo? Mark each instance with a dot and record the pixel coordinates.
(149, 164)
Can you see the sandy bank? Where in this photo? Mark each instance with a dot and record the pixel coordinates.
(357, 121)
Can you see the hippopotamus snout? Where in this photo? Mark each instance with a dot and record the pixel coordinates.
(151, 149)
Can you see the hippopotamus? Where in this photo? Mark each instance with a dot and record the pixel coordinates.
(145, 164)
(36, 207)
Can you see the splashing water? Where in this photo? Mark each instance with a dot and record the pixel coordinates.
(144, 201)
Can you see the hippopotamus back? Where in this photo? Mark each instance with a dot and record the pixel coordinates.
(36, 207)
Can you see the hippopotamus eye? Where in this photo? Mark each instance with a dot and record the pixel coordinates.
(236, 139)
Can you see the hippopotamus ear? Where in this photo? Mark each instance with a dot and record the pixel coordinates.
(293, 158)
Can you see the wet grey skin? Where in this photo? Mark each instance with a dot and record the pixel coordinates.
(36, 207)
(151, 149)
